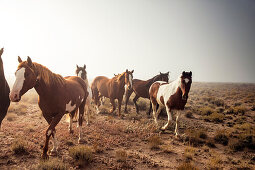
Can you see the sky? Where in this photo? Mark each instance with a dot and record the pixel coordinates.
(213, 39)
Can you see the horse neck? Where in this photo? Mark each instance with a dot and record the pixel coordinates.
(150, 81)
(46, 85)
(176, 84)
(121, 81)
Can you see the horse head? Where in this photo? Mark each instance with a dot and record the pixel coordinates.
(185, 80)
(164, 76)
(129, 78)
(26, 79)
(81, 72)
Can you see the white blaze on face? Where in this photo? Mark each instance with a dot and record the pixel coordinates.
(69, 107)
(186, 80)
(20, 78)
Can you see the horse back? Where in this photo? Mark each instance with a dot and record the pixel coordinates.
(140, 88)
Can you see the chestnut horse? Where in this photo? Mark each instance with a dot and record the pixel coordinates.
(141, 89)
(57, 95)
(172, 95)
(111, 88)
(4, 91)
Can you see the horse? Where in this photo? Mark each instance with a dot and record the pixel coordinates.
(82, 73)
(4, 91)
(111, 88)
(141, 89)
(57, 96)
(172, 96)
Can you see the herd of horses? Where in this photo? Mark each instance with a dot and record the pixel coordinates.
(61, 95)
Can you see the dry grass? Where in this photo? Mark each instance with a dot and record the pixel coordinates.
(154, 142)
(121, 155)
(221, 137)
(189, 152)
(19, 147)
(52, 164)
(214, 117)
(186, 166)
(82, 155)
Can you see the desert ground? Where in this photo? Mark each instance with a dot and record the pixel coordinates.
(216, 132)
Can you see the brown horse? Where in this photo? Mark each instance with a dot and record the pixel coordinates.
(111, 88)
(4, 91)
(172, 96)
(57, 95)
(141, 89)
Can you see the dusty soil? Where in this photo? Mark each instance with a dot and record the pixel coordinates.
(131, 133)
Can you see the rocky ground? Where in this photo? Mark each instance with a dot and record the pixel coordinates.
(216, 132)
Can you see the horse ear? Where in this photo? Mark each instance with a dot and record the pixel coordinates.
(160, 73)
(84, 66)
(126, 70)
(132, 71)
(167, 73)
(29, 61)
(19, 59)
(77, 66)
(190, 73)
(183, 73)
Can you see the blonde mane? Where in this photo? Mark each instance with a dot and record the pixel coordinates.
(48, 76)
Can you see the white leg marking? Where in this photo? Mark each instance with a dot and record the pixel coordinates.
(54, 140)
(70, 124)
(176, 125)
(169, 118)
(49, 133)
(154, 113)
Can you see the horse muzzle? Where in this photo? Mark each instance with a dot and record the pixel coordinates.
(14, 97)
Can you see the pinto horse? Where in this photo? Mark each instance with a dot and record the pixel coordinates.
(4, 91)
(57, 95)
(111, 88)
(141, 89)
(172, 95)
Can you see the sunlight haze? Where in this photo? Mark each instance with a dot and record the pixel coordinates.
(213, 39)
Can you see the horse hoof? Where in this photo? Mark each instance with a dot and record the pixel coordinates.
(53, 153)
(45, 156)
(81, 141)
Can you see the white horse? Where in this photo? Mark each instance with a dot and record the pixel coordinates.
(172, 96)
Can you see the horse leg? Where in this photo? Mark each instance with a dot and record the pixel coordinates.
(136, 106)
(87, 107)
(128, 94)
(49, 132)
(71, 115)
(154, 112)
(176, 125)
(81, 113)
(119, 104)
(54, 149)
(113, 105)
(169, 117)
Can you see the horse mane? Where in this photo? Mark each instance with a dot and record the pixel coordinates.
(152, 80)
(48, 76)
(119, 76)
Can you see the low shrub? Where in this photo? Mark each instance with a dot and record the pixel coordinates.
(52, 164)
(82, 154)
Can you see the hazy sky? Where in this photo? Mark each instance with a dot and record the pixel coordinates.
(215, 39)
